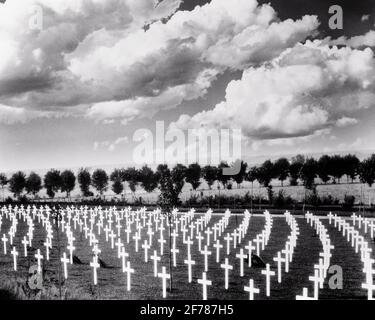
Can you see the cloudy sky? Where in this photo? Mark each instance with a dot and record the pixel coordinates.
(73, 92)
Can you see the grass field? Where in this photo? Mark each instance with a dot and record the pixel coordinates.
(112, 282)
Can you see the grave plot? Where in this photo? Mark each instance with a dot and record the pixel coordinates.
(96, 253)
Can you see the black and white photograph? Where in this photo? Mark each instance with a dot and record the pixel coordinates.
(187, 150)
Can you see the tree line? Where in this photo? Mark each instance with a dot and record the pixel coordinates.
(170, 181)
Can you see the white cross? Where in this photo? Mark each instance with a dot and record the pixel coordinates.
(150, 233)
(199, 238)
(287, 253)
(305, 295)
(251, 289)
(206, 253)
(188, 243)
(119, 245)
(25, 243)
(156, 258)
(190, 263)
(258, 241)
(136, 237)
(228, 238)
(174, 251)
(14, 254)
(208, 232)
(164, 275)
(71, 249)
(128, 271)
(113, 236)
(249, 249)
(218, 246)
(39, 257)
(204, 282)
(5, 239)
(268, 273)
(226, 266)
(145, 247)
(128, 232)
(316, 279)
(235, 238)
(242, 257)
(65, 261)
(279, 260)
(123, 256)
(95, 265)
(320, 267)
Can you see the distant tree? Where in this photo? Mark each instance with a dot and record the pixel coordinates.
(52, 182)
(210, 174)
(116, 178)
(117, 187)
(17, 183)
(100, 181)
(132, 176)
(33, 184)
(178, 177)
(281, 168)
(295, 169)
(193, 175)
(171, 183)
(337, 167)
(3, 183)
(68, 182)
(324, 168)
(309, 173)
(221, 177)
(84, 181)
(266, 173)
(240, 176)
(351, 166)
(148, 178)
(367, 170)
(252, 175)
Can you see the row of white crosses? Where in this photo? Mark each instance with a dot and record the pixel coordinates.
(14, 214)
(360, 245)
(262, 238)
(320, 269)
(286, 255)
(365, 224)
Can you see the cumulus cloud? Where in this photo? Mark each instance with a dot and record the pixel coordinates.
(304, 90)
(345, 121)
(366, 40)
(116, 53)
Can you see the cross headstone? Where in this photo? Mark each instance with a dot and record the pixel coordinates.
(268, 273)
(65, 261)
(204, 282)
(226, 266)
(251, 289)
(156, 258)
(164, 276)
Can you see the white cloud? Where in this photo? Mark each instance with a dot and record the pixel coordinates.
(304, 90)
(346, 121)
(366, 40)
(97, 52)
(365, 17)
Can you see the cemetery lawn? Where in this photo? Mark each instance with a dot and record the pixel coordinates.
(112, 281)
